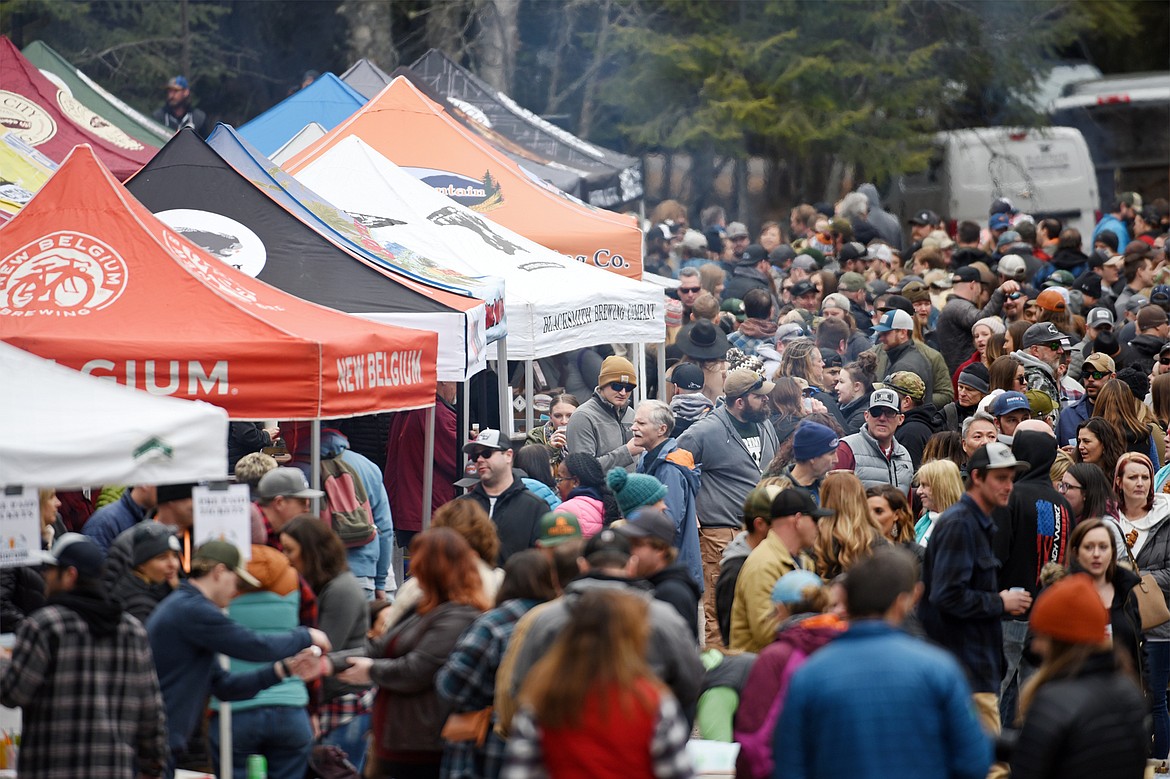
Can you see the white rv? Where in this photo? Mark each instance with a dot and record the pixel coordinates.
(1043, 172)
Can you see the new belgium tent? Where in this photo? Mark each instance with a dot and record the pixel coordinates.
(248, 225)
(554, 304)
(94, 97)
(91, 279)
(328, 101)
(23, 171)
(74, 431)
(53, 121)
(599, 176)
(413, 131)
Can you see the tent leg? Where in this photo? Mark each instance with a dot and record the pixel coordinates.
(225, 726)
(641, 355)
(315, 460)
(429, 471)
(507, 425)
(461, 433)
(662, 371)
(529, 393)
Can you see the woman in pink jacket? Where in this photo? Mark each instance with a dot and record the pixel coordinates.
(581, 484)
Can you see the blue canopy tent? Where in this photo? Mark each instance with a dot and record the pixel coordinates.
(328, 101)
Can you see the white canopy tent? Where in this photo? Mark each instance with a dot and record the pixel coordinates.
(554, 304)
(67, 430)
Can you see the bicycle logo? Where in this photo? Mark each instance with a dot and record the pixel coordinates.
(62, 274)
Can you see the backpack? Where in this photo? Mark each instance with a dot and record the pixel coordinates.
(346, 506)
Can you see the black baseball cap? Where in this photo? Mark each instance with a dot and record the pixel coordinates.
(797, 501)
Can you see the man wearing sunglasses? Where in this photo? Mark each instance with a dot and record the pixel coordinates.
(514, 509)
(732, 446)
(1041, 354)
(1097, 369)
(602, 426)
(688, 290)
(873, 453)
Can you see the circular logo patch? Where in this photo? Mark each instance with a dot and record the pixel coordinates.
(220, 236)
(61, 274)
(25, 118)
(213, 275)
(92, 123)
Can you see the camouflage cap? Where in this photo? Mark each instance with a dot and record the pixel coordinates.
(906, 383)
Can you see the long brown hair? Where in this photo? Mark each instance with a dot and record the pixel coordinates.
(444, 564)
(1078, 536)
(903, 530)
(601, 649)
(1002, 374)
(1115, 402)
(322, 553)
(1112, 444)
(797, 360)
(849, 534)
(1160, 390)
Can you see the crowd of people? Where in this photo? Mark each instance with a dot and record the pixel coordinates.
(903, 512)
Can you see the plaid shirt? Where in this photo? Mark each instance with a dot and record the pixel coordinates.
(960, 607)
(668, 745)
(92, 705)
(468, 683)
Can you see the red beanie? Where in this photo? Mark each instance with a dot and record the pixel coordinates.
(1071, 611)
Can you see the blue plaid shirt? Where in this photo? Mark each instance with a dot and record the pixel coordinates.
(468, 682)
(961, 607)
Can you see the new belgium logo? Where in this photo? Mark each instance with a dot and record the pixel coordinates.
(62, 274)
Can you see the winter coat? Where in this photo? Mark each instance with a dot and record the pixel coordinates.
(753, 616)
(516, 514)
(599, 429)
(405, 463)
(542, 491)
(1145, 349)
(854, 413)
(1033, 529)
(590, 511)
(942, 392)
(408, 713)
(1154, 557)
(918, 425)
(675, 468)
(759, 709)
(735, 554)
(138, 596)
(1084, 727)
(954, 327)
(1072, 260)
(907, 358)
(729, 472)
(885, 223)
(872, 466)
(743, 279)
(1038, 375)
(245, 438)
(676, 586)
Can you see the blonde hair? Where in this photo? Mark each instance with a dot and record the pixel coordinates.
(797, 360)
(946, 485)
(1060, 465)
(849, 535)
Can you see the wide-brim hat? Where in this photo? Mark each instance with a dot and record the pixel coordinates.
(702, 340)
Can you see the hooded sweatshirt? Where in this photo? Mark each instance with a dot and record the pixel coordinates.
(883, 221)
(1072, 260)
(734, 555)
(797, 638)
(674, 585)
(1033, 528)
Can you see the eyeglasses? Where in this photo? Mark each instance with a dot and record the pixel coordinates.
(882, 411)
(1098, 375)
(688, 290)
(559, 479)
(1015, 295)
(618, 386)
(486, 454)
(1064, 487)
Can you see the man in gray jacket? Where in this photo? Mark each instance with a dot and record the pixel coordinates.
(601, 425)
(962, 311)
(731, 446)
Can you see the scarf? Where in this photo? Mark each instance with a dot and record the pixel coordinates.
(758, 328)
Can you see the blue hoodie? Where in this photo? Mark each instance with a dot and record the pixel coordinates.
(375, 558)
(676, 469)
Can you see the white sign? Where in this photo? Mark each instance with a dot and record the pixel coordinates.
(224, 514)
(20, 528)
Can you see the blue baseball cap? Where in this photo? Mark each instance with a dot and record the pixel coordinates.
(1009, 402)
(1000, 221)
(789, 588)
(178, 82)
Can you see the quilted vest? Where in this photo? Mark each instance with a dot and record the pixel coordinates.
(872, 466)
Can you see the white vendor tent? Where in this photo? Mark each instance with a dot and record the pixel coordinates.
(554, 304)
(64, 429)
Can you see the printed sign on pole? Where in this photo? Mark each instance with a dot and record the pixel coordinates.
(224, 513)
(20, 527)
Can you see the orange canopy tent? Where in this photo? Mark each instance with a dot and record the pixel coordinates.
(415, 133)
(50, 119)
(91, 279)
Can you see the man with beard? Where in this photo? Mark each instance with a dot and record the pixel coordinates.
(1041, 354)
(731, 447)
(603, 429)
(894, 334)
(873, 453)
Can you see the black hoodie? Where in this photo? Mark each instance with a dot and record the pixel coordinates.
(101, 612)
(1033, 528)
(919, 424)
(675, 586)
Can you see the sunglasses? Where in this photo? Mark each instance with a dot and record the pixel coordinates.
(1098, 375)
(475, 454)
(688, 290)
(1164, 360)
(882, 411)
(1015, 296)
(618, 386)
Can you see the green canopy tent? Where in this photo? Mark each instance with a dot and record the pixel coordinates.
(91, 95)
